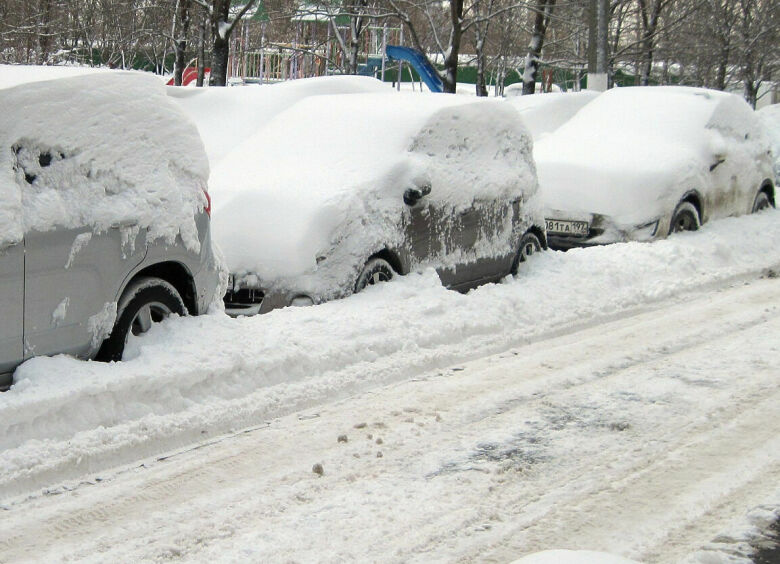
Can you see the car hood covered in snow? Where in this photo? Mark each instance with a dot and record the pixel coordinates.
(332, 170)
(620, 180)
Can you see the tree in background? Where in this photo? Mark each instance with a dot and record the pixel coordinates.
(543, 13)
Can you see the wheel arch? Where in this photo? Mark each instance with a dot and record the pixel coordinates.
(392, 258)
(540, 234)
(768, 187)
(177, 275)
(695, 199)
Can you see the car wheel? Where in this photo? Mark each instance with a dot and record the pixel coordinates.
(529, 245)
(685, 218)
(375, 271)
(761, 202)
(144, 302)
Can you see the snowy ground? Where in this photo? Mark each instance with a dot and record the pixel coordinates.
(620, 399)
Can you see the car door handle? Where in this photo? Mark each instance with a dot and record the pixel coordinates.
(124, 224)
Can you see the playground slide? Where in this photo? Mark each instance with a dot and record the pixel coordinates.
(427, 73)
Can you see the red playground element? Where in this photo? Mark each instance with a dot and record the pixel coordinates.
(189, 75)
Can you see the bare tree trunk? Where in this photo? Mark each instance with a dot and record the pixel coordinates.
(181, 29)
(221, 29)
(722, 69)
(649, 18)
(356, 25)
(450, 78)
(543, 10)
(44, 34)
(480, 48)
(201, 53)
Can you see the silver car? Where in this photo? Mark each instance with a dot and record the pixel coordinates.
(341, 192)
(639, 163)
(104, 232)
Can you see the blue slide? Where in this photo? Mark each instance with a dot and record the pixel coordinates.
(418, 61)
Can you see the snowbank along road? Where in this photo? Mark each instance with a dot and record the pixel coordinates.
(622, 399)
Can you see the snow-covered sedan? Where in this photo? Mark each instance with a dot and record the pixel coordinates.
(341, 192)
(640, 163)
(104, 227)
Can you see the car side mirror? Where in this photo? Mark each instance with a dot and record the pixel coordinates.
(414, 195)
(719, 159)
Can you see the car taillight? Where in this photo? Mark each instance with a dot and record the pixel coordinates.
(207, 209)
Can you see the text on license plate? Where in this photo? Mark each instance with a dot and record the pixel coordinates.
(567, 227)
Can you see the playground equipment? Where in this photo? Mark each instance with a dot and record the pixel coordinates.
(189, 76)
(419, 62)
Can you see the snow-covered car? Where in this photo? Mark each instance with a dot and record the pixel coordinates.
(543, 113)
(105, 225)
(639, 163)
(341, 192)
(226, 117)
(769, 116)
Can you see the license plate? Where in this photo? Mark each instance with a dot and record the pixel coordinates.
(565, 227)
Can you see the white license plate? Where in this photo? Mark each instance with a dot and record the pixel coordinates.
(565, 227)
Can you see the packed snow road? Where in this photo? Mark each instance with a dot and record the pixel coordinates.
(620, 398)
(645, 436)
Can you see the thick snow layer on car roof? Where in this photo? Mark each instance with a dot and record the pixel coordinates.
(544, 113)
(770, 118)
(626, 153)
(96, 150)
(329, 160)
(228, 116)
(14, 75)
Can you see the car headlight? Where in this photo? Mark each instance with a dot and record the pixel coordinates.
(645, 232)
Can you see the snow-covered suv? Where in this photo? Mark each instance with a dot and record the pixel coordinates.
(105, 224)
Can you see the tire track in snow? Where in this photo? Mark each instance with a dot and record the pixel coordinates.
(241, 468)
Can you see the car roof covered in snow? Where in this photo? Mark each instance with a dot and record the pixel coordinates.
(546, 112)
(97, 149)
(226, 117)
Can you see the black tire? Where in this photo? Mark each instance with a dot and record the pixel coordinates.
(375, 271)
(685, 218)
(762, 201)
(145, 301)
(529, 245)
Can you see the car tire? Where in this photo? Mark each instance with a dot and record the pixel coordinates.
(529, 245)
(761, 202)
(375, 271)
(685, 218)
(146, 301)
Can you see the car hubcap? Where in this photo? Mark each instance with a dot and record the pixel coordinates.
(377, 277)
(762, 202)
(148, 314)
(684, 223)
